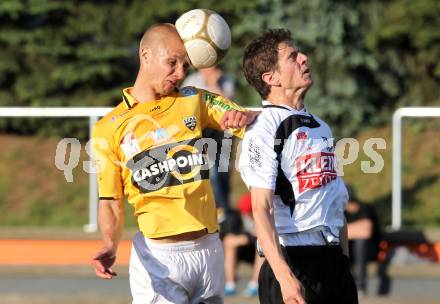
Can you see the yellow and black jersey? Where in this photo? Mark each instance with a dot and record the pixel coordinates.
(154, 153)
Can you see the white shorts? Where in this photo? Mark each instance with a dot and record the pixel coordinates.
(189, 272)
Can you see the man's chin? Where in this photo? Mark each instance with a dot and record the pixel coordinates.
(168, 90)
(308, 81)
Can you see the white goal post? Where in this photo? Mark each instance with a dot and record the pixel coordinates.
(93, 114)
(396, 216)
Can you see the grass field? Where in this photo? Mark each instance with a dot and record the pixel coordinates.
(34, 192)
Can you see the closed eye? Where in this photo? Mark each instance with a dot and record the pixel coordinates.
(186, 67)
(294, 54)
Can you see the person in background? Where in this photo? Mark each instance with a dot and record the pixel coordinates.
(364, 236)
(214, 80)
(241, 245)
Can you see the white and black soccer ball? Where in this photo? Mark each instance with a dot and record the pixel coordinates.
(206, 36)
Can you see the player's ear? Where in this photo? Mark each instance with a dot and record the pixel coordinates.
(271, 78)
(145, 55)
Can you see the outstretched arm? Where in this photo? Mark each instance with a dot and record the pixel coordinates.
(111, 223)
(262, 208)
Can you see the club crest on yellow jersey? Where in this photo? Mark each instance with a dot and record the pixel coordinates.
(190, 122)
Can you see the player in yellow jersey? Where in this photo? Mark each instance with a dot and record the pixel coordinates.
(150, 149)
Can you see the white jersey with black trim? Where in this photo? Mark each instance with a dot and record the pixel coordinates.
(307, 161)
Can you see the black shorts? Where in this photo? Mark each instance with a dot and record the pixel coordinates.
(247, 252)
(323, 271)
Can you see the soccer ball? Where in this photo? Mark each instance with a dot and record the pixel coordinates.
(206, 36)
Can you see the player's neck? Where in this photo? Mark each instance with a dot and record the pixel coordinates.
(141, 91)
(295, 101)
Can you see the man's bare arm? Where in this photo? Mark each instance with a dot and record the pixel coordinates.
(262, 208)
(360, 229)
(111, 223)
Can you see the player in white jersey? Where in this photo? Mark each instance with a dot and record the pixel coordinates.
(298, 201)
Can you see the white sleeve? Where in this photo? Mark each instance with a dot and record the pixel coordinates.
(258, 165)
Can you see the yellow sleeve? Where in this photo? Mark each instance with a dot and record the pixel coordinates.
(107, 164)
(213, 107)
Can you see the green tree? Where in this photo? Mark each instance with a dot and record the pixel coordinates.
(405, 39)
(367, 58)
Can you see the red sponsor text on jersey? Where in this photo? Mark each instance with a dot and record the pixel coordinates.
(315, 170)
(301, 136)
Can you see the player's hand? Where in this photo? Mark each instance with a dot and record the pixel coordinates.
(102, 262)
(292, 290)
(237, 119)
